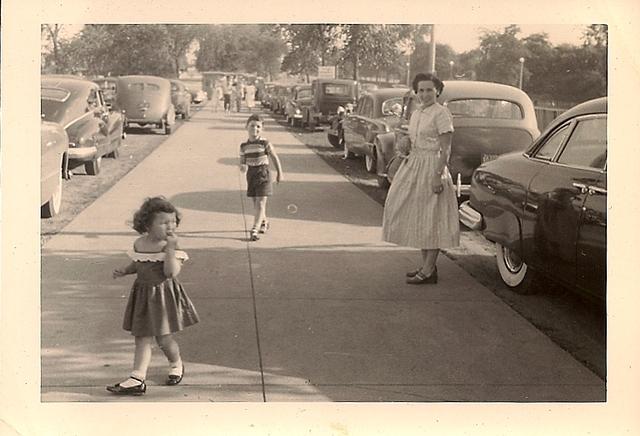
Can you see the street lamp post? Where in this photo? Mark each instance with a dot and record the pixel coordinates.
(521, 60)
(408, 70)
(451, 69)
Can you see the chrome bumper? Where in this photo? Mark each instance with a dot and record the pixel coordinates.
(82, 153)
(469, 216)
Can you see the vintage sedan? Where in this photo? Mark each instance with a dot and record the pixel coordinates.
(300, 98)
(489, 119)
(54, 145)
(181, 99)
(327, 96)
(281, 93)
(93, 129)
(108, 85)
(146, 101)
(546, 208)
(378, 111)
(197, 95)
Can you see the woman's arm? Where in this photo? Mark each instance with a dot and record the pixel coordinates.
(444, 141)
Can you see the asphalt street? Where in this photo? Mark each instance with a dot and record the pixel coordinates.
(317, 310)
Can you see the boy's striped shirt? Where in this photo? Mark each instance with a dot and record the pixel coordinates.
(255, 152)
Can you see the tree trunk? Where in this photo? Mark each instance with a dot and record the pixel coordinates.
(355, 67)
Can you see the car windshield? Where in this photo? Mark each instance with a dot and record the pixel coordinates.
(336, 89)
(52, 110)
(142, 86)
(485, 108)
(393, 106)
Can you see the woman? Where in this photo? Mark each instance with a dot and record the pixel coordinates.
(421, 209)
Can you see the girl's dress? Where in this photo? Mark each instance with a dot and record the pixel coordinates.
(415, 216)
(157, 305)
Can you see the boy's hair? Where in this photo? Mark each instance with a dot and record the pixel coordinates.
(254, 117)
(144, 216)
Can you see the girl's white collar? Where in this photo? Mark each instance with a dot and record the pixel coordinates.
(155, 257)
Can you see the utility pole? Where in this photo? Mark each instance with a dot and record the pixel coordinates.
(432, 48)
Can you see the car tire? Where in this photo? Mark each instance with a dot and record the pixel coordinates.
(167, 129)
(52, 207)
(513, 271)
(370, 162)
(92, 168)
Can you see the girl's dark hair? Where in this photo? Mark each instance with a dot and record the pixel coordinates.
(143, 218)
(421, 77)
(254, 117)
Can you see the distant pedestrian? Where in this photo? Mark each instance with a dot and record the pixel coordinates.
(421, 209)
(250, 93)
(158, 306)
(237, 95)
(254, 160)
(226, 94)
(217, 97)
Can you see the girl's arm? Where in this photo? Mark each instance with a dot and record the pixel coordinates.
(276, 161)
(123, 271)
(172, 265)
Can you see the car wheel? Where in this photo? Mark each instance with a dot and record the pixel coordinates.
(52, 207)
(92, 168)
(513, 271)
(167, 129)
(370, 162)
(189, 112)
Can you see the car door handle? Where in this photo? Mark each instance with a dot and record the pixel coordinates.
(596, 190)
(581, 186)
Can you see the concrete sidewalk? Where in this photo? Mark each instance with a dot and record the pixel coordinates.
(317, 310)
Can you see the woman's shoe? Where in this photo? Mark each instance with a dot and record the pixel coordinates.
(421, 279)
(173, 380)
(413, 273)
(132, 390)
(264, 226)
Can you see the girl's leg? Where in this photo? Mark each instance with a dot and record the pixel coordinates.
(141, 360)
(170, 348)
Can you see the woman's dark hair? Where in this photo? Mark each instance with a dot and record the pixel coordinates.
(143, 218)
(254, 117)
(421, 77)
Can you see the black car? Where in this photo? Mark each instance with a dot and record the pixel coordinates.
(546, 209)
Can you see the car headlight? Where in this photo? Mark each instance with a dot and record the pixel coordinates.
(297, 111)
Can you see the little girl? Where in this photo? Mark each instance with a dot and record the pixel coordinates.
(158, 305)
(254, 159)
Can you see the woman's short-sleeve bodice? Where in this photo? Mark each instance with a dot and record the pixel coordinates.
(427, 124)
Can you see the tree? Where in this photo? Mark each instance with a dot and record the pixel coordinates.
(179, 38)
(500, 54)
(310, 45)
(51, 33)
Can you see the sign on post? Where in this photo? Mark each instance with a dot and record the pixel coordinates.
(327, 72)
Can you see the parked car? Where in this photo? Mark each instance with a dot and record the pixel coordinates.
(546, 208)
(181, 99)
(267, 95)
(54, 145)
(197, 95)
(108, 85)
(327, 95)
(281, 94)
(146, 101)
(93, 129)
(300, 98)
(489, 119)
(378, 111)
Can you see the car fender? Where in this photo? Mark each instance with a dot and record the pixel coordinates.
(503, 227)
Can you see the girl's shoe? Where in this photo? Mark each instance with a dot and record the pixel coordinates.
(264, 226)
(173, 380)
(254, 234)
(132, 390)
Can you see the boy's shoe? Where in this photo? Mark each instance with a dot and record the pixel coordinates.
(264, 226)
(254, 234)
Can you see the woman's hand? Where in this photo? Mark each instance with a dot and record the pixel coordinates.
(436, 182)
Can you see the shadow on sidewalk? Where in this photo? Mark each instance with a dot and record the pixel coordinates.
(291, 200)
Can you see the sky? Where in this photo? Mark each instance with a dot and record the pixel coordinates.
(464, 37)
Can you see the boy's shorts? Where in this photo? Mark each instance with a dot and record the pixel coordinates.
(259, 181)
